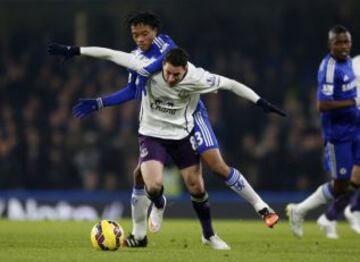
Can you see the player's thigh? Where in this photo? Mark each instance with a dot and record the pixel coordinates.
(193, 179)
(338, 160)
(152, 160)
(203, 138)
(152, 172)
(355, 176)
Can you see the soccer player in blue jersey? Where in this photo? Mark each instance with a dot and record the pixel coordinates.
(205, 140)
(337, 103)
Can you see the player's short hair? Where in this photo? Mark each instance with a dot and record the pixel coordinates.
(142, 17)
(337, 29)
(177, 57)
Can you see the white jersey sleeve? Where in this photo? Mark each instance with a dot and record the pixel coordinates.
(206, 82)
(131, 61)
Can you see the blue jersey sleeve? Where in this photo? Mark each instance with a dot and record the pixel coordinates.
(165, 44)
(327, 80)
(125, 94)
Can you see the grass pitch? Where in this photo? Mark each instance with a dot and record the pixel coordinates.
(179, 240)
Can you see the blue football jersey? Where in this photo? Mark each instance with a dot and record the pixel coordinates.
(336, 81)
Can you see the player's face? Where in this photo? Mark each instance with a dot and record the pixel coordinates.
(143, 35)
(173, 74)
(340, 45)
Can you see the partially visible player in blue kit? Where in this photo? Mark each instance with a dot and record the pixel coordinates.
(144, 29)
(337, 103)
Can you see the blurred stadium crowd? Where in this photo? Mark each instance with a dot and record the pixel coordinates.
(42, 146)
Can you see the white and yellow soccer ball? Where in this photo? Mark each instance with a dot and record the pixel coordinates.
(107, 235)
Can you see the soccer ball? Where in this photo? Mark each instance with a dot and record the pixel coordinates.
(107, 235)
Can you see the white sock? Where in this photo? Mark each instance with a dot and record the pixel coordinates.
(241, 186)
(139, 209)
(321, 196)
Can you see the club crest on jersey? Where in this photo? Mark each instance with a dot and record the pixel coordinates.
(328, 90)
(343, 171)
(183, 94)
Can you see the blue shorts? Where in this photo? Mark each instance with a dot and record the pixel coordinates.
(203, 138)
(339, 159)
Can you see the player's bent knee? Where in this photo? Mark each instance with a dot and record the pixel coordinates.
(154, 189)
(195, 188)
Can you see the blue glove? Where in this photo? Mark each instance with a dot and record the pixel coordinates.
(140, 86)
(87, 106)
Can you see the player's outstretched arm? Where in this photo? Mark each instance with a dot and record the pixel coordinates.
(87, 106)
(124, 59)
(249, 94)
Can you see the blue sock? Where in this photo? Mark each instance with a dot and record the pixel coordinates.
(337, 206)
(202, 209)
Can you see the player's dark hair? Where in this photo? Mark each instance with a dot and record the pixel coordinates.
(337, 29)
(177, 57)
(146, 18)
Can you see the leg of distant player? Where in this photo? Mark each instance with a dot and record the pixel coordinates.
(296, 212)
(338, 161)
(207, 146)
(352, 211)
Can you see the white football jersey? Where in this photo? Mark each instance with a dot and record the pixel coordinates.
(167, 112)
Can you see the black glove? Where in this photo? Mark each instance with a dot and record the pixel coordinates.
(269, 108)
(67, 51)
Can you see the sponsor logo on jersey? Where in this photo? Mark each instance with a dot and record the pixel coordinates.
(163, 106)
(349, 86)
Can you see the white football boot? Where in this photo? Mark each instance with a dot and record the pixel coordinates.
(296, 220)
(328, 226)
(353, 219)
(156, 217)
(215, 242)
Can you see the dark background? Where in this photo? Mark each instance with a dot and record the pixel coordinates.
(275, 47)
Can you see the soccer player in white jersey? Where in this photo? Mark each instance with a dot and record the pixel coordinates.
(216, 160)
(167, 114)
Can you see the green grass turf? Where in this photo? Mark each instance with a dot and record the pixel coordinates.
(179, 240)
